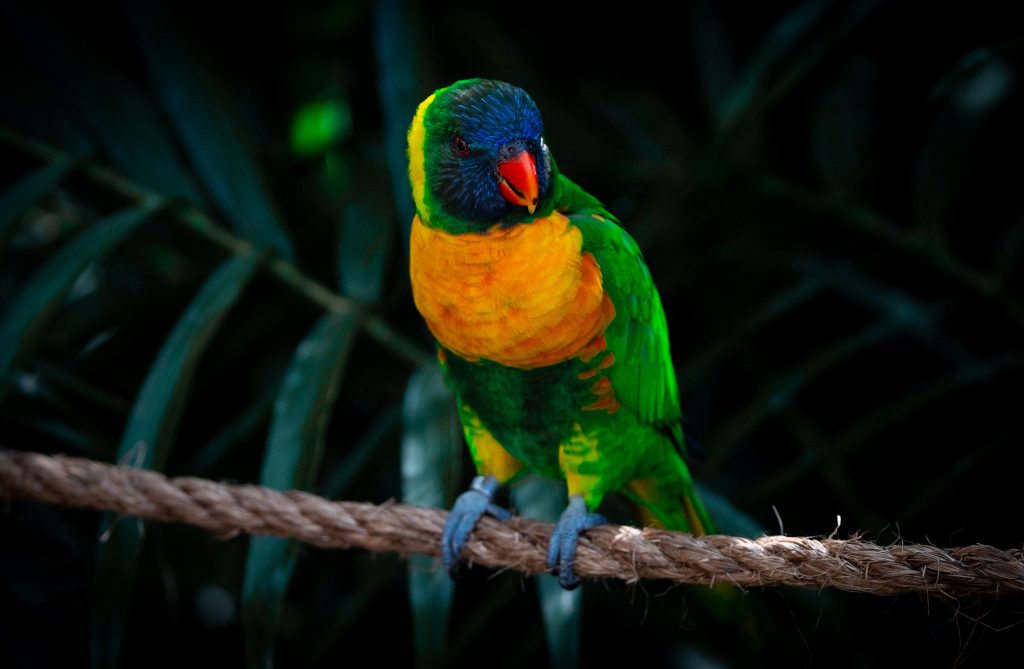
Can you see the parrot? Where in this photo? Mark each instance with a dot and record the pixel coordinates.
(548, 326)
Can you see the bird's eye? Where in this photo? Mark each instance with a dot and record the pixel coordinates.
(460, 145)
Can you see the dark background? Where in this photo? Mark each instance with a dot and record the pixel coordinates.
(829, 198)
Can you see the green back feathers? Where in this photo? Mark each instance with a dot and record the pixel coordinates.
(643, 376)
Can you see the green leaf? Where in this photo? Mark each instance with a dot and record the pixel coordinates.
(292, 461)
(786, 33)
(367, 234)
(870, 223)
(779, 394)
(158, 406)
(337, 480)
(842, 124)
(74, 439)
(545, 499)
(234, 431)
(731, 340)
(872, 425)
(320, 124)
(129, 127)
(715, 55)
(209, 126)
(397, 46)
(344, 599)
(39, 301)
(146, 443)
(431, 457)
(1011, 249)
(980, 82)
(825, 37)
(28, 191)
(28, 98)
(729, 519)
(125, 121)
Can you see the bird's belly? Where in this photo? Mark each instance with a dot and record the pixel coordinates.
(531, 413)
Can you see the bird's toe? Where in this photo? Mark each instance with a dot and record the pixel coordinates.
(565, 538)
(469, 507)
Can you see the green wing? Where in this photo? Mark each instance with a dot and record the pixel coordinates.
(642, 376)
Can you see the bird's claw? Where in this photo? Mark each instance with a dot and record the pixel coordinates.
(562, 549)
(465, 513)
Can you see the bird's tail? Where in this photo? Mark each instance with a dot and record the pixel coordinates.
(671, 501)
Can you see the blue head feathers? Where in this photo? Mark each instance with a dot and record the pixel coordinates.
(480, 127)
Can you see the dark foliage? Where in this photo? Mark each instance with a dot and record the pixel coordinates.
(827, 195)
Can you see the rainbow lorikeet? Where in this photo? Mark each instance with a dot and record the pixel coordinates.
(550, 330)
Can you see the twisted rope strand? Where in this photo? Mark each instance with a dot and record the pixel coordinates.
(608, 551)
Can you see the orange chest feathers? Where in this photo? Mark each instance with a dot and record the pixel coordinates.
(525, 296)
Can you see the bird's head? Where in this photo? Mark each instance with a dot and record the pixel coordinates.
(477, 157)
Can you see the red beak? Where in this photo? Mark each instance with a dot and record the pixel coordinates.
(518, 180)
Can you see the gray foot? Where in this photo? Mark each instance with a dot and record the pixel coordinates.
(467, 510)
(562, 549)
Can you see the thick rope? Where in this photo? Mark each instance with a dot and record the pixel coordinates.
(607, 551)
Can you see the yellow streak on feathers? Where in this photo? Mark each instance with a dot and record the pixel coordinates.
(417, 173)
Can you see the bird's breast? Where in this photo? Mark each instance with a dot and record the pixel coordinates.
(524, 296)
